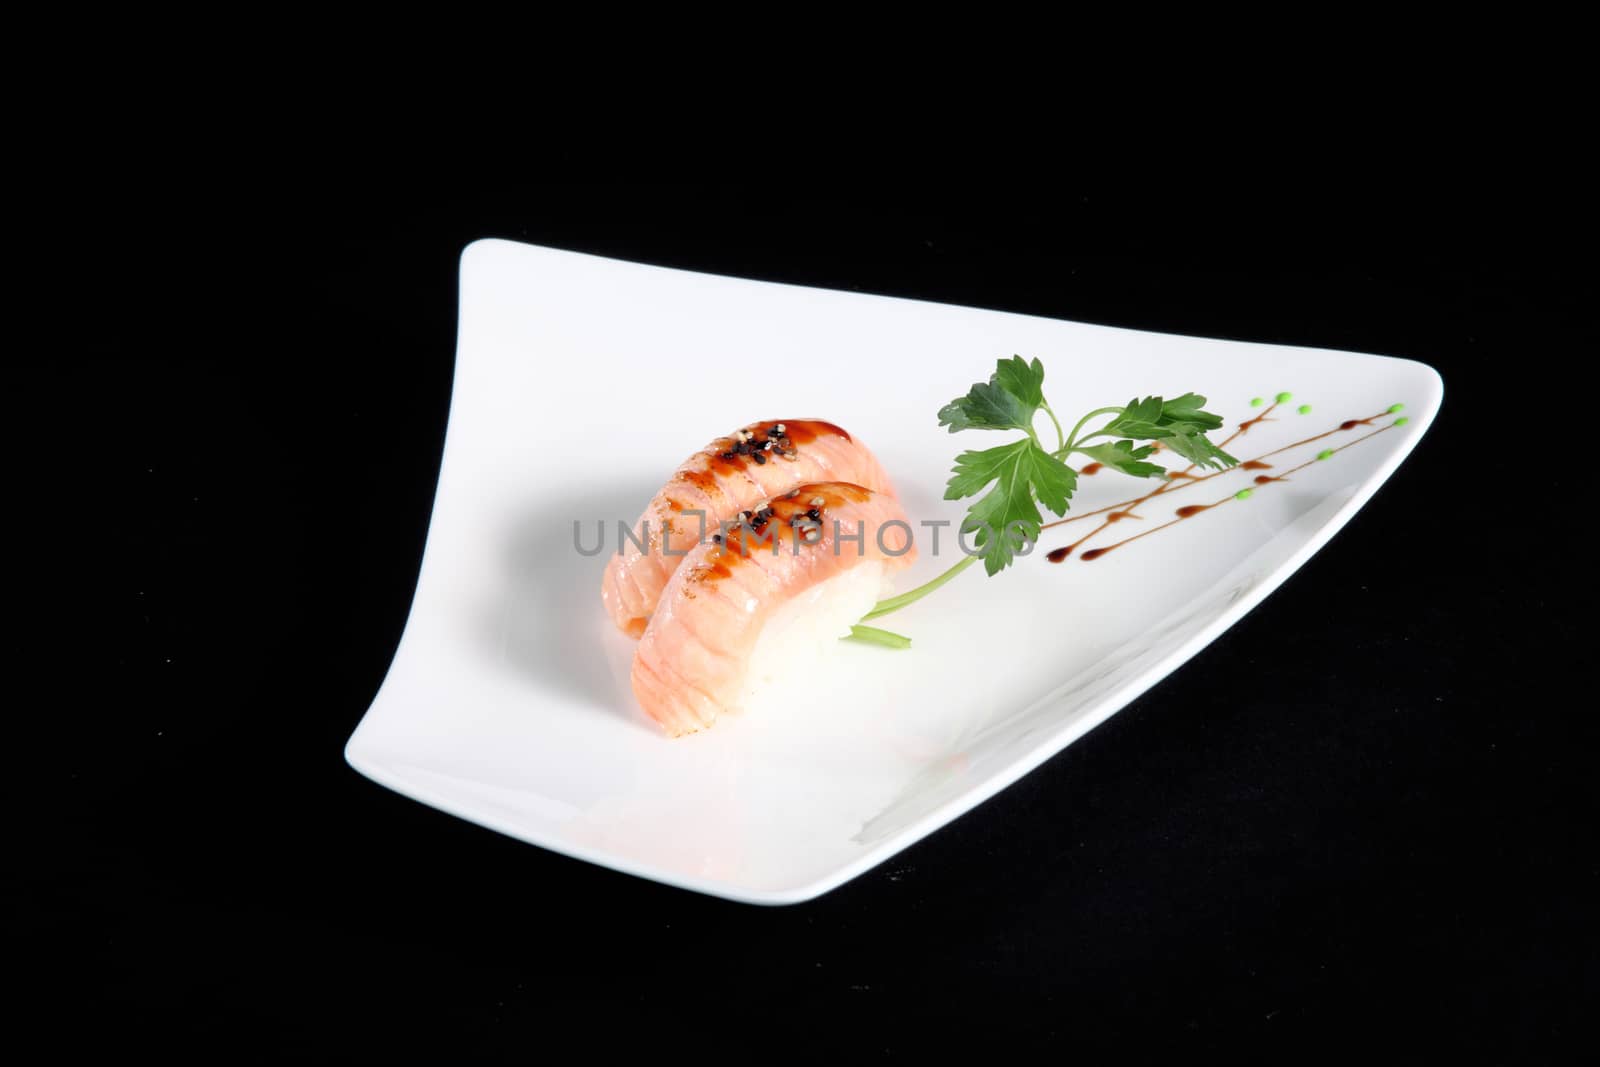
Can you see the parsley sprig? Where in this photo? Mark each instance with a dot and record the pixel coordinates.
(1011, 481)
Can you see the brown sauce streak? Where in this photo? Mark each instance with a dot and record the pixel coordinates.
(776, 534)
(704, 481)
(1190, 510)
(797, 431)
(1170, 486)
(1244, 427)
(1092, 468)
(1254, 465)
(802, 431)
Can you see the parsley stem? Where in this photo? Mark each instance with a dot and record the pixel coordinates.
(895, 603)
(1072, 438)
(1061, 441)
(1086, 438)
(871, 635)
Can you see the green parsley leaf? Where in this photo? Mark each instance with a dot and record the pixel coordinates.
(1015, 479)
(1198, 449)
(1008, 401)
(1186, 409)
(1179, 423)
(1123, 456)
(1007, 518)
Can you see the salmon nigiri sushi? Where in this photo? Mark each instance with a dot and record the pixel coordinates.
(731, 475)
(747, 607)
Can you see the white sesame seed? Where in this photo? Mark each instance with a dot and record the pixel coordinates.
(817, 501)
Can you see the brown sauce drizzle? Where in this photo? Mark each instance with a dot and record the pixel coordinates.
(1254, 465)
(1091, 468)
(724, 455)
(704, 481)
(776, 526)
(1176, 486)
(1244, 427)
(1175, 479)
(804, 431)
(1190, 510)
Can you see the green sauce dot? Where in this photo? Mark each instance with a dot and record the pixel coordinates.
(1326, 453)
(1396, 407)
(1305, 409)
(1256, 401)
(1243, 494)
(1284, 398)
(1401, 421)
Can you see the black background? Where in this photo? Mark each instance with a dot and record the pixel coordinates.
(1367, 800)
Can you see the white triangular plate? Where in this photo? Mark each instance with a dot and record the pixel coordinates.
(580, 384)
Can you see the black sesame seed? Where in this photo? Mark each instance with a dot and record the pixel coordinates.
(716, 539)
(814, 515)
(761, 458)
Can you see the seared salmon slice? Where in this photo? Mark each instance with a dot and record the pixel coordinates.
(731, 475)
(741, 611)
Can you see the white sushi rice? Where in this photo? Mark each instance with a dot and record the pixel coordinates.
(799, 637)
